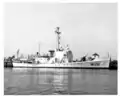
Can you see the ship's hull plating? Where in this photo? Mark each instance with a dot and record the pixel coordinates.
(87, 64)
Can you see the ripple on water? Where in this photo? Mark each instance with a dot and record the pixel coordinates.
(59, 81)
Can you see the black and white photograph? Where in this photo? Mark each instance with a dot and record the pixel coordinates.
(60, 48)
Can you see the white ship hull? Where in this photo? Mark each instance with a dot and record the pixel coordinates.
(87, 64)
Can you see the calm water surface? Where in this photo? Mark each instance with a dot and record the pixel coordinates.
(29, 81)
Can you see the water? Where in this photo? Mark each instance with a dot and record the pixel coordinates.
(48, 81)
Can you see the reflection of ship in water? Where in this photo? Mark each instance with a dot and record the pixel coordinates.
(58, 80)
(46, 80)
(62, 81)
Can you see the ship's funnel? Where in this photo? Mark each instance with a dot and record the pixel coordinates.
(51, 53)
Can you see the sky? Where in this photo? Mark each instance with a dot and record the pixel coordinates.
(86, 27)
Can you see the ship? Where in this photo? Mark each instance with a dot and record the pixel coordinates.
(62, 58)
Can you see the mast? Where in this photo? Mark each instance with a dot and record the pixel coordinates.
(18, 53)
(39, 48)
(58, 38)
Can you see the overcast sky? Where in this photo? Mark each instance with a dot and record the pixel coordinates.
(87, 28)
